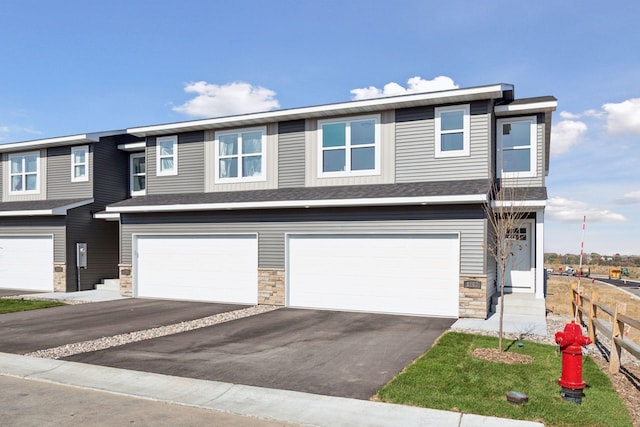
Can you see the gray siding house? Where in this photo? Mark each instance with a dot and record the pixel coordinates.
(373, 205)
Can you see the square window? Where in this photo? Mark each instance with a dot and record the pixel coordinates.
(517, 147)
(241, 155)
(452, 130)
(24, 174)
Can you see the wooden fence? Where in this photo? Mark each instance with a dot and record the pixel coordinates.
(612, 323)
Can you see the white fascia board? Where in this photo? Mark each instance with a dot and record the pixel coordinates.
(133, 146)
(351, 107)
(523, 108)
(390, 201)
(62, 210)
(107, 215)
(519, 203)
(58, 141)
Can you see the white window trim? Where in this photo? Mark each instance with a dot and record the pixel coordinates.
(85, 177)
(240, 178)
(23, 155)
(466, 131)
(348, 146)
(174, 171)
(131, 175)
(533, 145)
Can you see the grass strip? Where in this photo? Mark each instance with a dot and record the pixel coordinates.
(12, 305)
(448, 377)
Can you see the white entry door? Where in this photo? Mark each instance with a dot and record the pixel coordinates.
(220, 268)
(26, 262)
(519, 272)
(402, 274)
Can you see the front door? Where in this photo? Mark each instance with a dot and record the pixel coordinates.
(519, 273)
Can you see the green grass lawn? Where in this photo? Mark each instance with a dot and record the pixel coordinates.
(12, 305)
(448, 377)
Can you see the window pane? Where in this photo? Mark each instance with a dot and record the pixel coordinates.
(16, 183)
(166, 148)
(78, 156)
(166, 164)
(32, 182)
(363, 132)
(251, 142)
(516, 134)
(138, 165)
(252, 166)
(452, 141)
(333, 160)
(363, 158)
(516, 160)
(16, 165)
(228, 145)
(333, 135)
(228, 168)
(78, 171)
(31, 163)
(451, 120)
(138, 183)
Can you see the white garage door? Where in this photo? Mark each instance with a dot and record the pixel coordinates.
(198, 267)
(26, 262)
(404, 274)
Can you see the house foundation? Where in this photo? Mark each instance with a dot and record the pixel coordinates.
(271, 290)
(473, 301)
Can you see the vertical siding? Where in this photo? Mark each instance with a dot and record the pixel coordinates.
(42, 195)
(43, 226)
(59, 185)
(415, 147)
(387, 154)
(190, 177)
(102, 248)
(271, 228)
(291, 160)
(111, 168)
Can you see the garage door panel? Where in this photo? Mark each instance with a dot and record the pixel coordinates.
(204, 268)
(408, 274)
(26, 262)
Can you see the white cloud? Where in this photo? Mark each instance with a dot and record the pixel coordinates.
(565, 134)
(565, 210)
(569, 116)
(414, 85)
(629, 198)
(623, 117)
(222, 100)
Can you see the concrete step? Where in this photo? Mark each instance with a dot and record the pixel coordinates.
(519, 304)
(109, 285)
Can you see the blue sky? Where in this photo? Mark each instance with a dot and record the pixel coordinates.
(72, 67)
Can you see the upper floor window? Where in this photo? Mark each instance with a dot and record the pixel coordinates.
(138, 174)
(167, 155)
(452, 126)
(24, 173)
(517, 147)
(349, 147)
(79, 164)
(241, 155)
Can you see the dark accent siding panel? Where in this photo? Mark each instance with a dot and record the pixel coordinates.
(101, 238)
(111, 168)
(414, 113)
(59, 185)
(291, 154)
(191, 164)
(33, 225)
(272, 226)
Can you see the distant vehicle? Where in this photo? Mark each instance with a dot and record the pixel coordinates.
(615, 273)
(568, 271)
(583, 271)
(625, 271)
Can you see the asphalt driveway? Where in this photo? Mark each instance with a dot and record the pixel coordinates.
(322, 352)
(13, 292)
(33, 330)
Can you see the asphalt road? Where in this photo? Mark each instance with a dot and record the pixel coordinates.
(628, 285)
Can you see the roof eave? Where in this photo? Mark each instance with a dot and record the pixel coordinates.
(60, 141)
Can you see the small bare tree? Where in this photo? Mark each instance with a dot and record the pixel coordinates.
(505, 217)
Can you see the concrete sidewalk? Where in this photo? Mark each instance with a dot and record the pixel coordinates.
(92, 295)
(269, 404)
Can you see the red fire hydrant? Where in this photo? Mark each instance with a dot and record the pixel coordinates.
(571, 341)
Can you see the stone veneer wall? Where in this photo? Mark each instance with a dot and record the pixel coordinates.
(59, 277)
(126, 280)
(271, 286)
(473, 301)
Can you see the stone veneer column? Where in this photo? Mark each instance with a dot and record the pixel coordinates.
(126, 280)
(59, 277)
(271, 286)
(473, 300)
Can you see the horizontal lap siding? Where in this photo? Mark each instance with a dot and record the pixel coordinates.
(191, 159)
(59, 185)
(271, 228)
(46, 226)
(291, 150)
(415, 147)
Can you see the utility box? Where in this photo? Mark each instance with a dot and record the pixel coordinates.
(81, 255)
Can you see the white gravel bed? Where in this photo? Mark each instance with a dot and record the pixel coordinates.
(147, 334)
